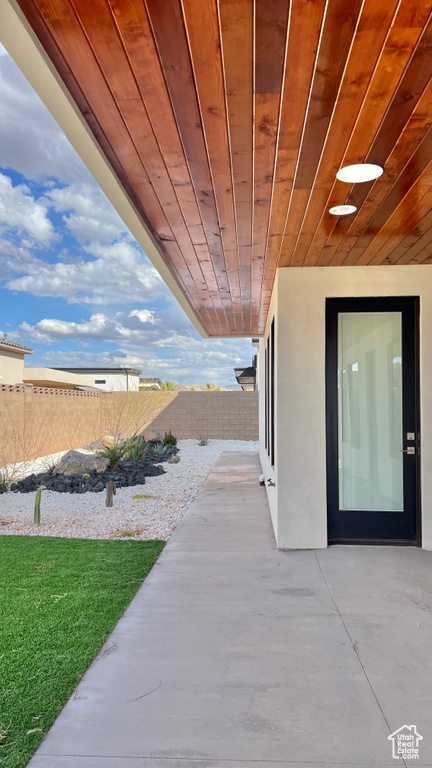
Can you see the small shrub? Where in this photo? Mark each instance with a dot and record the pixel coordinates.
(203, 440)
(169, 440)
(136, 448)
(3, 483)
(114, 453)
(174, 460)
(143, 496)
(160, 449)
(86, 476)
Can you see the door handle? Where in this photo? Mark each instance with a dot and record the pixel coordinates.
(410, 451)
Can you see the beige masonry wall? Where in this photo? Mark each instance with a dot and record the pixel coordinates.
(217, 415)
(37, 421)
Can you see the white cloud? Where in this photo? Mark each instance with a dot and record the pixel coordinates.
(31, 142)
(21, 214)
(99, 328)
(145, 342)
(113, 274)
(90, 216)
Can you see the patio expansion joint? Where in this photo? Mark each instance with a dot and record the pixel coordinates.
(355, 648)
(228, 760)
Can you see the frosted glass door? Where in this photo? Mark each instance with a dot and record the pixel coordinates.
(370, 458)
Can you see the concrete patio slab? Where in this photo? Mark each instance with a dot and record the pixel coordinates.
(236, 654)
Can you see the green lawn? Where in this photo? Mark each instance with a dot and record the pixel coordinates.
(59, 600)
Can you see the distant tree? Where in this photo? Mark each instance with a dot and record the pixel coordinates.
(213, 387)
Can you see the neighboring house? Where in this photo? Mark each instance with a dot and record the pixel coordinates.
(150, 384)
(51, 377)
(109, 379)
(281, 186)
(12, 361)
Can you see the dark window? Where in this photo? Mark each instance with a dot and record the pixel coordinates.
(270, 394)
(100, 381)
(266, 397)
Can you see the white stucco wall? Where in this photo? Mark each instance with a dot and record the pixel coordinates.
(298, 501)
(116, 382)
(11, 367)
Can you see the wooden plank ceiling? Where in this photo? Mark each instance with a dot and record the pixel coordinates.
(226, 121)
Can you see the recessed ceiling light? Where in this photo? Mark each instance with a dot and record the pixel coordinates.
(361, 172)
(342, 210)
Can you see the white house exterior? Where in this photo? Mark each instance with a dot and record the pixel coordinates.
(110, 379)
(12, 361)
(298, 498)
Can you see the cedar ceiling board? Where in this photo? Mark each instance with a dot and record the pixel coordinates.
(384, 80)
(411, 151)
(415, 222)
(396, 53)
(236, 30)
(399, 240)
(406, 214)
(417, 242)
(408, 92)
(412, 171)
(389, 72)
(338, 30)
(303, 38)
(372, 30)
(202, 28)
(106, 45)
(270, 46)
(169, 33)
(418, 125)
(132, 23)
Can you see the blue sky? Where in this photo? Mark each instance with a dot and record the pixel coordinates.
(74, 284)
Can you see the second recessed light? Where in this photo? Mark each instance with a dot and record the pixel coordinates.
(342, 210)
(353, 174)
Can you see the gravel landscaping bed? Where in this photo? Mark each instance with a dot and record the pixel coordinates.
(86, 516)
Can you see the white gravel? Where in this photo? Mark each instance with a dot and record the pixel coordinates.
(85, 516)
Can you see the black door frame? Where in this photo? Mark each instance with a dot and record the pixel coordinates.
(410, 306)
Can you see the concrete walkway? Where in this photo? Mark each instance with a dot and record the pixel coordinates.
(234, 654)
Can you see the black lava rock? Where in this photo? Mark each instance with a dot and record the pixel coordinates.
(129, 472)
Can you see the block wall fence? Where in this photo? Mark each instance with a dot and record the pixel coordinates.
(37, 421)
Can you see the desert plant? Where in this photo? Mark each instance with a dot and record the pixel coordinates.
(174, 460)
(36, 516)
(160, 449)
(3, 482)
(129, 413)
(86, 476)
(169, 386)
(169, 440)
(212, 388)
(143, 496)
(136, 448)
(203, 440)
(114, 453)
